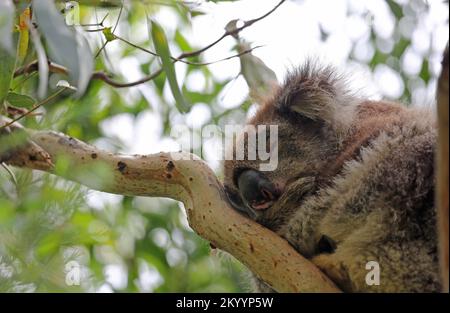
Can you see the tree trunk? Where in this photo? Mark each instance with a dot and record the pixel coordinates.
(442, 169)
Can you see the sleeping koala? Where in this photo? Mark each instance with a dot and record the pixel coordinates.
(354, 183)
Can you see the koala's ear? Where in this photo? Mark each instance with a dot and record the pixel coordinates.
(318, 94)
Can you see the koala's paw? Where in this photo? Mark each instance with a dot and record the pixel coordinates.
(334, 269)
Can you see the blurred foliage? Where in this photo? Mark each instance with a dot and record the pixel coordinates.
(130, 244)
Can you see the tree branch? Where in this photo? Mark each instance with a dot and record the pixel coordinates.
(186, 178)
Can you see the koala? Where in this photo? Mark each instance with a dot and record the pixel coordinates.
(354, 183)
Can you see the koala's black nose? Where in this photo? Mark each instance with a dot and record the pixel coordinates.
(257, 190)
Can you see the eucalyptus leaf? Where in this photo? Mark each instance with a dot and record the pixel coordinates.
(7, 62)
(6, 25)
(42, 61)
(259, 77)
(7, 48)
(7, 66)
(24, 36)
(19, 100)
(162, 49)
(67, 46)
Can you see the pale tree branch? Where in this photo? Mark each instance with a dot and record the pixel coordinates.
(186, 178)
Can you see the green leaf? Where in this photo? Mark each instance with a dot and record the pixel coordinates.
(7, 49)
(67, 47)
(400, 47)
(396, 9)
(182, 42)
(162, 49)
(6, 25)
(18, 100)
(425, 71)
(259, 77)
(6, 72)
(7, 63)
(24, 36)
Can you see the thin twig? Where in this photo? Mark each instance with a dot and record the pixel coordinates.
(101, 49)
(98, 23)
(35, 107)
(104, 77)
(247, 51)
(229, 33)
(118, 18)
(136, 46)
(95, 30)
(100, 75)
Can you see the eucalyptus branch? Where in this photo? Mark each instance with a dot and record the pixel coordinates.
(186, 178)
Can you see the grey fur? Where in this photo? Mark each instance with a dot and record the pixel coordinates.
(360, 172)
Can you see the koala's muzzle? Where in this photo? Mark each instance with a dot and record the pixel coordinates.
(256, 190)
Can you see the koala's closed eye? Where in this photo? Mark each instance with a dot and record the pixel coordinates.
(256, 190)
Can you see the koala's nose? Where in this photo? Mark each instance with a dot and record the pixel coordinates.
(257, 190)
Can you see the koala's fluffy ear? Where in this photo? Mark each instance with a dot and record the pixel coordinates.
(318, 94)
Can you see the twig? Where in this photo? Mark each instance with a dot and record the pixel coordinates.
(56, 68)
(221, 60)
(96, 24)
(136, 46)
(118, 18)
(35, 107)
(104, 77)
(95, 30)
(229, 33)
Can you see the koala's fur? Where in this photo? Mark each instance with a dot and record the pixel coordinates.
(360, 172)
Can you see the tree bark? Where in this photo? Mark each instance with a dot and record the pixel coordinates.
(442, 169)
(186, 178)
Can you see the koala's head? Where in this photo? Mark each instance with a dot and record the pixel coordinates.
(312, 111)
